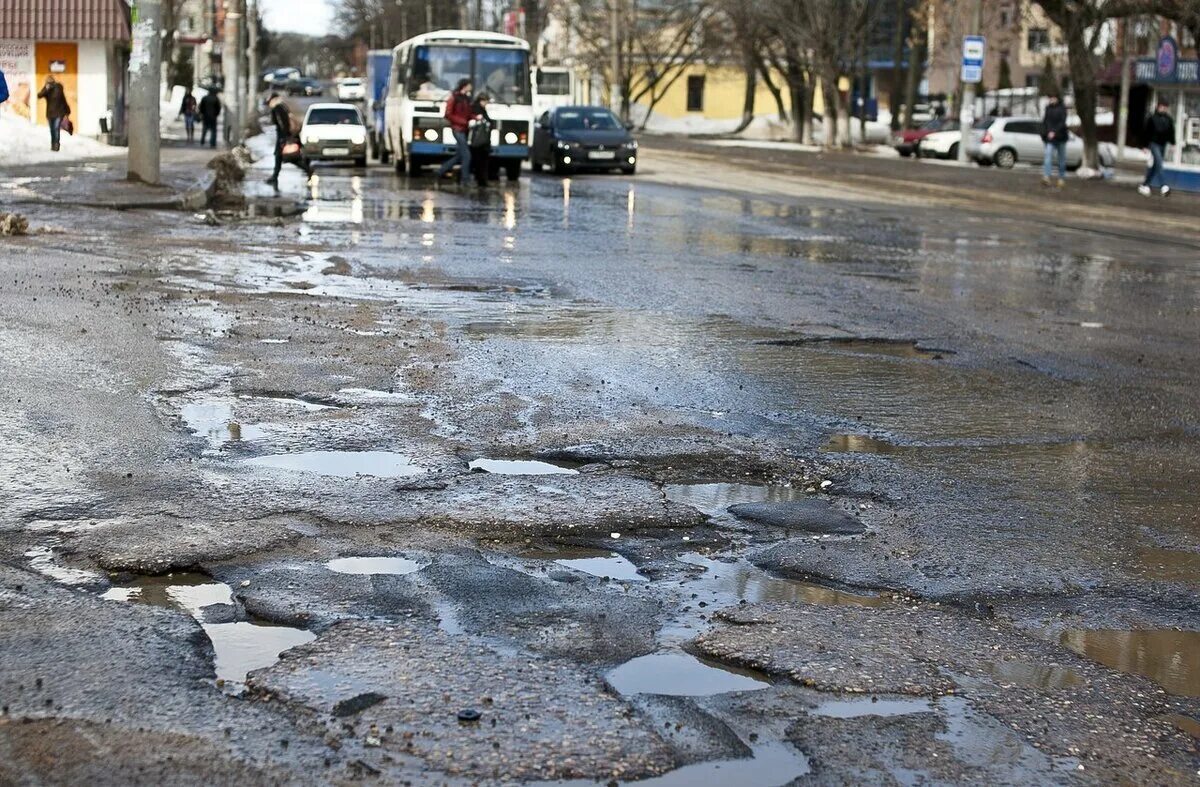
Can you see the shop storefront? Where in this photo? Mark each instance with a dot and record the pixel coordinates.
(1177, 82)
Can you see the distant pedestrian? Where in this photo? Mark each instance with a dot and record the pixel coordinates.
(3, 88)
(281, 119)
(1159, 132)
(210, 111)
(1054, 135)
(480, 139)
(187, 110)
(459, 113)
(57, 108)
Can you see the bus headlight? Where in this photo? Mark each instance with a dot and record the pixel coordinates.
(510, 138)
(431, 134)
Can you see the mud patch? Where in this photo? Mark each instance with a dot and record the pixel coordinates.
(680, 675)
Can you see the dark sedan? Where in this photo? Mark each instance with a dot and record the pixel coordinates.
(575, 138)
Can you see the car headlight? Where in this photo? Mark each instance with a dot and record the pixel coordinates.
(358, 137)
(311, 139)
(632, 144)
(564, 145)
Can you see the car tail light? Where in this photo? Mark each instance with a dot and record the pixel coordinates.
(987, 137)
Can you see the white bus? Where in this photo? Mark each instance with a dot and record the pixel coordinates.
(554, 86)
(424, 71)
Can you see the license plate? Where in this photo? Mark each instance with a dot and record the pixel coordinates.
(604, 155)
(336, 151)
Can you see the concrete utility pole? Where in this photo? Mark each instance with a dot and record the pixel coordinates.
(252, 63)
(614, 34)
(145, 60)
(966, 113)
(231, 62)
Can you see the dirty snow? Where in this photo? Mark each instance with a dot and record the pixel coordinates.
(21, 143)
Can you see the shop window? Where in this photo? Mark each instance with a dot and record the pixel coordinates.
(695, 94)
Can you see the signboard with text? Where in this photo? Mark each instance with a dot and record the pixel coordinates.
(973, 51)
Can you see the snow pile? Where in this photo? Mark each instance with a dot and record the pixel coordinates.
(22, 143)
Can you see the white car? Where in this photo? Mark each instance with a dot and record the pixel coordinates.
(940, 144)
(333, 132)
(351, 89)
(1006, 141)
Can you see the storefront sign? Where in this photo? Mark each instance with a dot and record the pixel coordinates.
(16, 61)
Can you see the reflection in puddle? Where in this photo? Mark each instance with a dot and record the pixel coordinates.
(853, 709)
(1169, 658)
(374, 565)
(43, 560)
(214, 422)
(896, 348)
(769, 765)
(519, 467)
(1184, 723)
(859, 444)
(728, 583)
(344, 464)
(612, 566)
(238, 647)
(1040, 676)
(680, 675)
(714, 499)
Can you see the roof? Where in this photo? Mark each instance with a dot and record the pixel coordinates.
(65, 20)
(479, 38)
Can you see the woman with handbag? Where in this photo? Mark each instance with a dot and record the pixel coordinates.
(287, 144)
(479, 139)
(58, 111)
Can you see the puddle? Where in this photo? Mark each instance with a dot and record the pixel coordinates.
(769, 765)
(1184, 723)
(1169, 658)
(680, 675)
(1170, 565)
(853, 709)
(371, 396)
(519, 467)
(725, 584)
(344, 464)
(613, 567)
(44, 561)
(714, 499)
(214, 422)
(895, 348)
(238, 647)
(1039, 676)
(859, 444)
(374, 565)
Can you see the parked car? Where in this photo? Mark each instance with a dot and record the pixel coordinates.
(351, 89)
(1005, 141)
(941, 144)
(578, 137)
(905, 141)
(334, 132)
(304, 86)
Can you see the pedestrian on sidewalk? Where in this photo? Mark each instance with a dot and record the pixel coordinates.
(57, 108)
(1159, 132)
(1054, 135)
(3, 88)
(480, 139)
(281, 119)
(459, 114)
(210, 110)
(187, 110)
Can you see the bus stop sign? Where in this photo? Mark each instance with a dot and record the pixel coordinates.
(972, 58)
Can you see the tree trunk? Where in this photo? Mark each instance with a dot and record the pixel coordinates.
(750, 65)
(916, 64)
(897, 56)
(1083, 81)
(776, 93)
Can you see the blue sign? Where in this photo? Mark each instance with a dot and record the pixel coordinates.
(974, 48)
(1167, 59)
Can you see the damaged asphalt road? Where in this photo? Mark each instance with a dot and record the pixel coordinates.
(592, 480)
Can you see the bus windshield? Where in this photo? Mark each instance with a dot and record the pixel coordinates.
(501, 73)
(554, 83)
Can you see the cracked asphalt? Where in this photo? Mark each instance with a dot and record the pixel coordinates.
(382, 481)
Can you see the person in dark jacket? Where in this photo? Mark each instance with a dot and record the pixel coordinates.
(1159, 132)
(281, 119)
(480, 139)
(187, 110)
(458, 114)
(57, 108)
(1054, 135)
(210, 111)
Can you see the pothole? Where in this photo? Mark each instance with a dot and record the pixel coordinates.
(715, 499)
(43, 560)
(519, 467)
(769, 764)
(1038, 676)
(859, 444)
(374, 565)
(855, 708)
(342, 464)
(1169, 658)
(680, 675)
(214, 422)
(239, 647)
(730, 583)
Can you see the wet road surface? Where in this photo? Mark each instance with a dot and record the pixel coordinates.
(467, 458)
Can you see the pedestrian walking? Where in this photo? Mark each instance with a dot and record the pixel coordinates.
(187, 110)
(458, 113)
(1054, 135)
(210, 111)
(1159, 132)
(480, 139)
(287, 145)
(57, 109)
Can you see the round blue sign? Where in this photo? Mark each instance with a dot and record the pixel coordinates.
(1168, 58)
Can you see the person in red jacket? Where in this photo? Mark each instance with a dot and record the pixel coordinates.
(459, 114)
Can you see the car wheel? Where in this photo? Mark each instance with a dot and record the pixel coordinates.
(512, 169)
(904, 153)
(629, 170)
(559, 167)
(360, 162)
(1005, 158)
(952, 153)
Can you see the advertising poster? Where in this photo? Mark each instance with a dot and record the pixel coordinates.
(16, 61)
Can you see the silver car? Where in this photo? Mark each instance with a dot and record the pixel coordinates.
(1005, 141)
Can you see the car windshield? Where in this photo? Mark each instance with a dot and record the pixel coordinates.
(502, 73)
(333, 116)
(933, 125)
(351, 82)
(587, 120)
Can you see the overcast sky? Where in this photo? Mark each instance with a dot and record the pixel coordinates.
(301, 16)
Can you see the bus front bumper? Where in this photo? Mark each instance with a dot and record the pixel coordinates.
(434, 150)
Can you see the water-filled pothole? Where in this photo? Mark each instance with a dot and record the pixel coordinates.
(374, 565)
(715, 499)
(44, 561)
(770, 764)
(859, 444)
(343, 464)
(1039, 676)
(680, 675)
(519, 467)
(214, 422)
(238, 647)
(1169, 658)
(601, 563)
(730, 583)
(853, 709)
(895, 348)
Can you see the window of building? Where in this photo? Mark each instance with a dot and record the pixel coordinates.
(1037, 39)
(695, 94)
